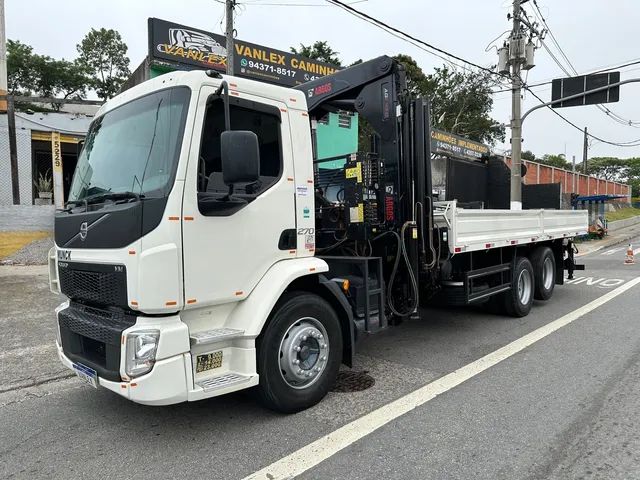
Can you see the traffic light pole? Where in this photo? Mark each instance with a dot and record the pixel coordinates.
(577, 95)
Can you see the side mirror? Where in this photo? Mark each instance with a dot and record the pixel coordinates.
(240, 155)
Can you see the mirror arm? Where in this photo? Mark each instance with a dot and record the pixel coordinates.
(223, 91)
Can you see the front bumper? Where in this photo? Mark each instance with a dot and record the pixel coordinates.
(165, 384)
(173, 378)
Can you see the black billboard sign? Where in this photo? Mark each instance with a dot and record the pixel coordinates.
(444, 143)
(567, 87)
(184, 46)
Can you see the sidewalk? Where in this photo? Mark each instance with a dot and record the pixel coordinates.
(25, 234)
(615, 238)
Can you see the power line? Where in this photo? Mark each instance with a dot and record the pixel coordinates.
(283, 4)
(406, 37)
(591, 72)
(612, 115)
(633, 143)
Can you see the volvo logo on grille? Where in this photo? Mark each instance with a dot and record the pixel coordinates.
(83, 231)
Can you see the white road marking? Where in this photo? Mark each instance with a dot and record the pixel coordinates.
(612, 251)
(599, 282)
(325, 447)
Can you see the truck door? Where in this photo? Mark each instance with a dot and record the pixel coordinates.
(226, 253)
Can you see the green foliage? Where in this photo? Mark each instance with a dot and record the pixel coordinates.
(624, 170)
(558, 161)
(461, 101)
(622, 214)
(21, 78)
(32, 74)
(44, 182)
(321, 51)
(528, 155)
(104, 56)
(611, 168)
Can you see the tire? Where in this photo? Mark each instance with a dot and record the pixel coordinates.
(544, 271)
(298, 321)
(517, 301)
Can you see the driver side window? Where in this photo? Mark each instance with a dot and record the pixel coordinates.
(264, 121)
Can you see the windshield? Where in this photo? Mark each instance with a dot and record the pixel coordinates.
(134, 148)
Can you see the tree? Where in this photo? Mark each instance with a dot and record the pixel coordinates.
(416, 78)
(557, 161)
(31, 74)
(461, 101)
(529, 156)
(321, 51)
(609, 168)
(21, 68)
(624, 170)
(104, 56)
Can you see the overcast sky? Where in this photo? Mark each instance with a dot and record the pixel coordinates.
(593, 34)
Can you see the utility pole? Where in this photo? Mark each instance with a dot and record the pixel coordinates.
(516, 55)
(573, 176)
(6, 105)
(3, 61)
(585, 151)
(13, 150)
(230, 5)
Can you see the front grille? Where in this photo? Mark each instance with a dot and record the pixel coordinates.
(92, 336)
(102, 325)
(94, 283)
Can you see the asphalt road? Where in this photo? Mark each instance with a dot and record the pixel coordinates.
(565, 407)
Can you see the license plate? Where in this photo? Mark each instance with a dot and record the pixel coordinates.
(87, 374)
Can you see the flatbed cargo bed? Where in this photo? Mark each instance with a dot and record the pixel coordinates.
(480, 229)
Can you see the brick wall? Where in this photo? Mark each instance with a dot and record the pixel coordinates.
(572, 182)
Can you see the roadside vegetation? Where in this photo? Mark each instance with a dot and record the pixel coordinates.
(622, 214)
(11, 242)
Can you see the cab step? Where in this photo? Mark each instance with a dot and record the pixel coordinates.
(215, 335)
(223, 381)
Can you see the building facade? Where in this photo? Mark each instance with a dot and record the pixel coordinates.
(34, 135)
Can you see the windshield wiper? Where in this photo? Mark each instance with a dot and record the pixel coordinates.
(98, 197)
(113, 196)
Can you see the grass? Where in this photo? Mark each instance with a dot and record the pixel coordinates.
(11, 242)
(622, 214)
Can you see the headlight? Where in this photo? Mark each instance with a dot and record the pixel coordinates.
(141, 352)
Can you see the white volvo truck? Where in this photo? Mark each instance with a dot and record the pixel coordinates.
(204, 249)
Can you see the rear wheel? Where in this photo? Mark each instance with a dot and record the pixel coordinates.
(299, 353)
(517, 301)
(544, 269)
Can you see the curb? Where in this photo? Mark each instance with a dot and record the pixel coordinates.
(614, 242)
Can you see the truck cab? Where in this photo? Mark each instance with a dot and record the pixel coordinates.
(168, 287)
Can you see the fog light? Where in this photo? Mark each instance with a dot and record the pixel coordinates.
(140, 352)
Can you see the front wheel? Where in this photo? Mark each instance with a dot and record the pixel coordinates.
(299, 353)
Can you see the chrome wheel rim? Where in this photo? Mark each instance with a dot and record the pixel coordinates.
(547, 273)
(524, 287)
(303, 353)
